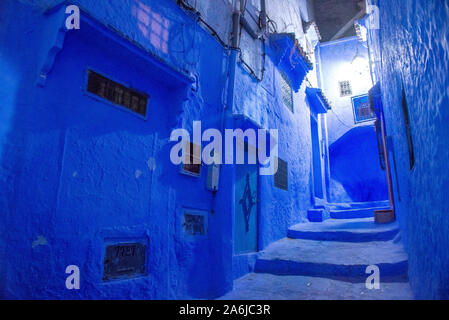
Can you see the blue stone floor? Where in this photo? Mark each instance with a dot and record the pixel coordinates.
(329, 260)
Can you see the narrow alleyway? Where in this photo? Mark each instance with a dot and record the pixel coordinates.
(329, 260)
(224, 149)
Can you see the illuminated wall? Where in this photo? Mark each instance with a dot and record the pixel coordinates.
(343, 60)
(355, 169)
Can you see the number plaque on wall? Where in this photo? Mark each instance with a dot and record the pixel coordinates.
(124, 260)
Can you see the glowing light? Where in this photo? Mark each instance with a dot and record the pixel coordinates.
(153, 26)
(359, 65)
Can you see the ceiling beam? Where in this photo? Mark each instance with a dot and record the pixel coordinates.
(348, 25)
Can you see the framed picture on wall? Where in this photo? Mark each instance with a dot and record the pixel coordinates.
(362, 109)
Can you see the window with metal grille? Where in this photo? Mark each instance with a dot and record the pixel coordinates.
(195, 223)
(192, 161)
(345, 88)
(287, 92)
(408, 130)
(117, 93)
(281, 176)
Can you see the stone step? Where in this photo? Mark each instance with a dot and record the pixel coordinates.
(264, 286)
(355, 213)
(353, 230)
(358, 205)
(318, 215)
(344, 261)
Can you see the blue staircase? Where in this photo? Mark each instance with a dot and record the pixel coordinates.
(340, 248)
(353, 210)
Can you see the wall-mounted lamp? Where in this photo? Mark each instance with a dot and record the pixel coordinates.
(359, 64)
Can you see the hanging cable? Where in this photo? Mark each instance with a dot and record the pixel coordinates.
(341, 121)
(273, 25)
(215, 34)
(246, 65)
(199, 19)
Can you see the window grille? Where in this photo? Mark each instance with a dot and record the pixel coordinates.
(281, 176)
(345, 88)
(195, 223)
(287, 92)
(117, 93)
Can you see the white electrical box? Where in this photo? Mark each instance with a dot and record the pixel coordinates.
(213, 175)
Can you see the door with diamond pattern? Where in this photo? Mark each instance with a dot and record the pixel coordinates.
(246, 207)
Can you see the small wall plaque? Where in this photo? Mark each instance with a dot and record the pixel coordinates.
(195, 223)
(363, 111)
(124, 260)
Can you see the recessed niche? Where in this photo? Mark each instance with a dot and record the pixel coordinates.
(117, 93)
(124, 260)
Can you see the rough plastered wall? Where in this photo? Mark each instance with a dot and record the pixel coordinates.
(415, 56)
(77, 173)
(355, 166)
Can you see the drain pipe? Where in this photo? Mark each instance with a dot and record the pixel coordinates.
(232, 65)
(234, 48)
(238, 8)
(263, 14)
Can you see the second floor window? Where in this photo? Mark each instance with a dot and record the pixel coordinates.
(117, 93)
(345, 88)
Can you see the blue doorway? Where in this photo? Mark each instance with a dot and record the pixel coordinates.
(246, 224)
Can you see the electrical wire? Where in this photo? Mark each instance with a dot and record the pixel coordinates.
(341, 121)
(273, 24)
(246, 65)
(215, 34)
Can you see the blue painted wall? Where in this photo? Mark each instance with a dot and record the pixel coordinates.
(77, 173)
(101, 171)
(413, 52)
(355, 166)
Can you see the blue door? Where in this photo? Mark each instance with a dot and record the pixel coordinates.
(246, 208)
